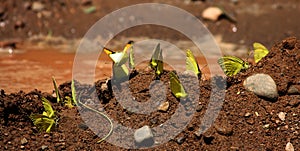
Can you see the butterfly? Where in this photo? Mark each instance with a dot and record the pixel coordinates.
(260, 51)
(121, 58)
(120, 70)
(46, 120)
(191, 63)
(232, 65)
(156, 62)
(176, 87)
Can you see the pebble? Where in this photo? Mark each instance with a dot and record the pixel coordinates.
(250, 121)
(262, 85)
(247, 114)
(24, 141)
(281, 116)
(83, 126)
(212, 13)
(44, 147)
(180, 139)
(199, 108)
(19, 24)
(37, 6)
(233, 148)
(224, 129)
(289, 147)
(143, 136)
(22, 147)
(294, 89)
(164, 106)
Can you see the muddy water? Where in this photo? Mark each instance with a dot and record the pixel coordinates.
(32, 68)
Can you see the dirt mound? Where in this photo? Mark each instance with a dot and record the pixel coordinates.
(245, 122)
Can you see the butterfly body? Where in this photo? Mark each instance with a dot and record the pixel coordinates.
(232, 65)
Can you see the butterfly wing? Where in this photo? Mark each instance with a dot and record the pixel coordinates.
(48, 108)
(191, 63)
(231, 65)
(176, 88)
(42, 122)
(131, 58)
(155, 56)
(156, 62)
(260, 51)
(120, 73)
(159, 69)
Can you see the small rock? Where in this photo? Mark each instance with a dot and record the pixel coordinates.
(180, 139)
(250, 121)
(46, 135)
(294, 102)
(233, 148)
(37, 6)
(289, 147)
(294, 89)
(83, 126)
(266, 126)
(19, 24)
(262, 85)
(46, 13)
(27, 5)
(199, 107)
(164, 106)
(44, 147)
(143, 136)
(247, 114)
(224, 129)
(22, 147)
(281, 116)
(212, 13)
(24, 141)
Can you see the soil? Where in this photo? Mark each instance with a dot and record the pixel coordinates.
(245, 122)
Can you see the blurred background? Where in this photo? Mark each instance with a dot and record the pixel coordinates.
(39, 38)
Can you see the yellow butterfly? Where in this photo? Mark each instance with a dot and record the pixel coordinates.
(120, 58)
(176, 88)
(46, 120)
(260, 51)
(120, 70)
(156, 62)
(232, 65)
(191, 63)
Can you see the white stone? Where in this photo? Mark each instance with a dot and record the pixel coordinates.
(212, 13)
(289, 147)
(143, 134)
(281, 116)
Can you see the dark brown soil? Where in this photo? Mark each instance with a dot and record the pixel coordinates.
(245, 122)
